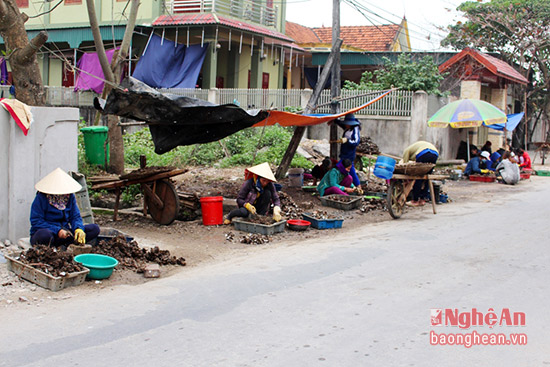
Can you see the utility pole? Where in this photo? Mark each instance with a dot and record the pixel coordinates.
(335, 89)
(299, 130)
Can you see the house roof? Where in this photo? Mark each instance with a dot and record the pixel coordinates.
(496, 66)
(213, 19)
(301, 34)
(367, 38)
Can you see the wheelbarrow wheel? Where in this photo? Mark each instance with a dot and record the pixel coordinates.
(168, 211)
(395, 191)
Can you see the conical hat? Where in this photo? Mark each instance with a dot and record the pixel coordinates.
(58, 182)
(262, 170)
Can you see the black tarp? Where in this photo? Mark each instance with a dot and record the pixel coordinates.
(176, 120)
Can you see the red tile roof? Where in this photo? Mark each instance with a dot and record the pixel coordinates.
(368, 38)
(494, 65)
(211, 19)
(301, 34)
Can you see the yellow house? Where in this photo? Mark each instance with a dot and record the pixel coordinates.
(245, 40)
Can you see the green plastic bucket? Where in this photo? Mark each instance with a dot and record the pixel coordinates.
(94, 139)
(101, 266)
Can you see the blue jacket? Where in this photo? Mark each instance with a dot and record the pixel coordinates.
(473, 166)
(44, 215)
(347, 150)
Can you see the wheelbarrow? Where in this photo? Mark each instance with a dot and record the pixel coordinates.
(160, 196)
(401, 184)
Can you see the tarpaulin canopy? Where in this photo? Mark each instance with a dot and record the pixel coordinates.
(89, 64)
(511, 123)
(176, 120)
(166, 64)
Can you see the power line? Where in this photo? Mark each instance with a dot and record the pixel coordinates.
(358, 8)
(424, 37)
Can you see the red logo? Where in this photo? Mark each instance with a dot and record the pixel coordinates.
(436, 316)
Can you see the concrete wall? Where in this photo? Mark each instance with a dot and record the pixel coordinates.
(393, 134)
(50, 143)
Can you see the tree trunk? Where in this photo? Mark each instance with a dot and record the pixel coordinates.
(112, 75)
(21, 54)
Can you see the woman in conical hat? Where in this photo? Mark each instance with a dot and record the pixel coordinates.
(55, 217)
(350, 140)
(257, 194)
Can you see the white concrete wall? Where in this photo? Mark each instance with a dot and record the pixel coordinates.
(51, 142)
(393, 134)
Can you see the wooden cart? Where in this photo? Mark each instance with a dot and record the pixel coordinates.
(160, 198)
(402, 182)
(399, 188)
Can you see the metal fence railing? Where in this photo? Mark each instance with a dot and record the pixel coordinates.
(248, 10)
(397, 103)
(260, 98)
(193, 93)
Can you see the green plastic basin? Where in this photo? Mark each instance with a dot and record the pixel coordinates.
(101, 266)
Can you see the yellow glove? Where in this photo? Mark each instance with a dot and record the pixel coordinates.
(80, 236)
(277, 214)
(343, 140)
(250, 208)
(359, 190)
(484, 171)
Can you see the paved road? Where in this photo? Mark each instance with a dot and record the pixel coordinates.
(361, 300)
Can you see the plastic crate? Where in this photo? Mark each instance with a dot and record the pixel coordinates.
(381, 195)
(266, 229)
(543, 173)
(525, 176)
(323, 223)
(107, 234)
(481, 178)
(42, 279)
(329, 201)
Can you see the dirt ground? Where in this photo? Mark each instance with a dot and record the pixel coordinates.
(201, 245)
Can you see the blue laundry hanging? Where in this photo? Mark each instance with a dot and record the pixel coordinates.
(170, 65)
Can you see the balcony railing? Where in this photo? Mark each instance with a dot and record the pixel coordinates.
(247, 10)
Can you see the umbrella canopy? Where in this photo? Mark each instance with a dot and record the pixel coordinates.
(467, 113)
(511, 124)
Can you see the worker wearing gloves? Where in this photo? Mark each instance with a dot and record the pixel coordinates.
(257, 194)
(55, 217)
(338, 181)
(350, 140)
(420, 152)
(476, 164)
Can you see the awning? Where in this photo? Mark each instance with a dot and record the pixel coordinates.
(511, 123)
(212, 19)
(176, 120)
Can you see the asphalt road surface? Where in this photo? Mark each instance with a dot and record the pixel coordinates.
(343, 300)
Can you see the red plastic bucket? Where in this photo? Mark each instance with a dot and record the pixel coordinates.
(212, 210)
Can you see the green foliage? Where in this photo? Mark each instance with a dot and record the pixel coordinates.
(405, 74)
(505, 26)
(241, 146)
(293, 109)
(130, 194)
